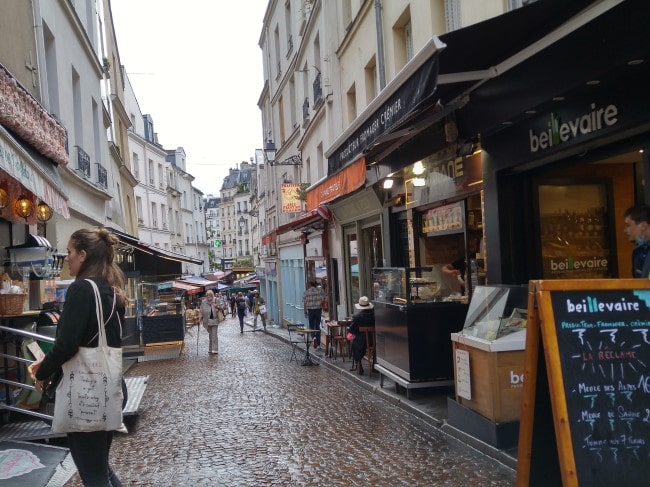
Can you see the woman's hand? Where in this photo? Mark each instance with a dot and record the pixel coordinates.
(32, 369)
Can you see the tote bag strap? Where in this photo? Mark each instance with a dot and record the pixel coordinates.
(101, 340)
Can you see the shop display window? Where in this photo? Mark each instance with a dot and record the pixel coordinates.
(408, 285)
(496, 311)
(575, 235)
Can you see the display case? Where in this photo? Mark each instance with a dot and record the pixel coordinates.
(409, 285)
(489, 355)
(413, 324)
(163, 313)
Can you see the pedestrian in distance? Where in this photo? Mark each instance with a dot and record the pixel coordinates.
(637, 228)
(233, 305)
(259, 309)
(365, 316)
(90, 256)
(211, 315)
(312, 300)
(241, 310)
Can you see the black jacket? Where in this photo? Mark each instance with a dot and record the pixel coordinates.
(364, 317)
(78, 325)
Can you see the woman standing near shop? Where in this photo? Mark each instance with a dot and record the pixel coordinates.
(259, 309)
(210, 318)
(90, 256)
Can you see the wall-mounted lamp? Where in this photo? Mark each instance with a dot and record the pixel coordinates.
(388, 183)
(269, 150)
(418, 168)
(4, 198)
(24, 207)
(43, 212)
(419, 182)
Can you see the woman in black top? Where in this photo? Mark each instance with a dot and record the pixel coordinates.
(90, 256)
(364, 317)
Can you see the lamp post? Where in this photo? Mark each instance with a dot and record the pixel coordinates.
(269, 151)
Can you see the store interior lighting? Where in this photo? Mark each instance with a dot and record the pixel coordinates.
(388, 183)
(419, 182)
(418, 168)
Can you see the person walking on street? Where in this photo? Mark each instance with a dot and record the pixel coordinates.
(365, 316)
(637, 228)
(312, 301)
(233, 305)
(241, 310)
(90, 256)
(259, 309)
(210, 315)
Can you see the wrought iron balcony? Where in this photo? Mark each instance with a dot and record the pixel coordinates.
(102, 176)
(83, 162)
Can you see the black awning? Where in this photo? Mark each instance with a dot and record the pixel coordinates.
(410, 92)
(151, 249)
(535, 53)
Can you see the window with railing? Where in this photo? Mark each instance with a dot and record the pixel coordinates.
(83, 162)
(102, 176)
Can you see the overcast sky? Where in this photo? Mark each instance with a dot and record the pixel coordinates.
(196, 68)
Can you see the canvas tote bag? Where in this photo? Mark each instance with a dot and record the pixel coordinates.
(89, 396)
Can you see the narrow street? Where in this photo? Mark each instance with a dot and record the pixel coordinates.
(249, 417)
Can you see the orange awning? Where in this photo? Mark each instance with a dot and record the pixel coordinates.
(343, 182)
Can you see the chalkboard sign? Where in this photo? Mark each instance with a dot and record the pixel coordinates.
(595, 339)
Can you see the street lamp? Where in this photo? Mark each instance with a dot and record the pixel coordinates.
(269, 151)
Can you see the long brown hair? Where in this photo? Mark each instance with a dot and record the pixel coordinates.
(99, 245)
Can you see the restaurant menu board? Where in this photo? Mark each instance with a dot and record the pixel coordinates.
(604, 342)
(591, 340)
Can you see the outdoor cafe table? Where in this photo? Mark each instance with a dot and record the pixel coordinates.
(306, 333)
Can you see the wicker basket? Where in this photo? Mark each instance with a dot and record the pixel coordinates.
(12, 304)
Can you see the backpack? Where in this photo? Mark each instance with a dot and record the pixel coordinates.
(241, 304)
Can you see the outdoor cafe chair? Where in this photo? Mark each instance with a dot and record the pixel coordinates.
(294, 340)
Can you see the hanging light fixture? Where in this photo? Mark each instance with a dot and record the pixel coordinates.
(4, 198)
(24, 207)
(43, 212)
(418, 168)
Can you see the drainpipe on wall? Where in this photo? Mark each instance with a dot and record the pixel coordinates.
(381, 66)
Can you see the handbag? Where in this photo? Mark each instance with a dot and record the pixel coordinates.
(262, 309)
(350, 336)
(89, 396)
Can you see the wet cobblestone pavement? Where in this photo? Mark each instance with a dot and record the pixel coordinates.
(249, 417)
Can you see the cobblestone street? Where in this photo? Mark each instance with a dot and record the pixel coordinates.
(249, 417)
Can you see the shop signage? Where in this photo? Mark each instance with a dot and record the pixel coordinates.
(590, 339)
(418, 88)
(444, 219)
(559, 130)
(290, 198)
(15, 162)
(350, 178)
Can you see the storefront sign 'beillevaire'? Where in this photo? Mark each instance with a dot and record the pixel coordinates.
(291, 198)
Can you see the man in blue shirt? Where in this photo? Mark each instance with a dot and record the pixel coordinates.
(637, 228)
(313, 302)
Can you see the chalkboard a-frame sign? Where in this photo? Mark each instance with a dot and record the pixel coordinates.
(585, 416)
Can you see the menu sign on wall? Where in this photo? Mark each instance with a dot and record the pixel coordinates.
(596, 343)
